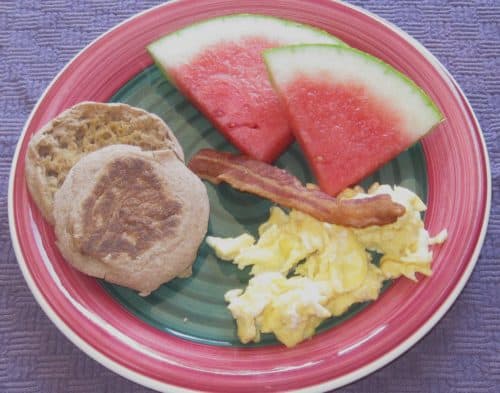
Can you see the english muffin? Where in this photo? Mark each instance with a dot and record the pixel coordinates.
(84, 128)
(131, 217)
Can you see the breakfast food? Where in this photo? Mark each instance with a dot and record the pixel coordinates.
(136, 215)
(134, 218)
(305, 270)
(349, 111)
(404, 244)
(217, 64)
(84, 128)
(265, 180)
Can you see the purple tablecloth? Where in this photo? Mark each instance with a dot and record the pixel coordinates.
(461, 354)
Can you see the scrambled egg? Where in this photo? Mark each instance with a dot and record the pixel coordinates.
(368, 290)
(306, 270)
(405, 243)
(290, 308)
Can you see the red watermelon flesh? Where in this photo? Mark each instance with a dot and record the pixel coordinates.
(344, 132)
(350, 112)
(228, 82)
(217, 64)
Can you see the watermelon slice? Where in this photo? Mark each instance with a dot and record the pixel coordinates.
(217, 64)
(349, 111)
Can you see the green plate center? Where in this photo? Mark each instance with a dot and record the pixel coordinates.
(194, 308)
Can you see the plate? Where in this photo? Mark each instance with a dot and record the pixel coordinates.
(182, 337)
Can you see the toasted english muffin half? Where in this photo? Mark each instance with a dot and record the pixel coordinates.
(82, 129)
(131, 217)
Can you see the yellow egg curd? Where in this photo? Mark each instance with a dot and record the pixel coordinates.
(305, 271)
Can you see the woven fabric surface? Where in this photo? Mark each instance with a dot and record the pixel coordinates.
(461, 354)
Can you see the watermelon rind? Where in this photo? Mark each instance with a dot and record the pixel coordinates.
(180, 46)
(349, 65)
(217, 65)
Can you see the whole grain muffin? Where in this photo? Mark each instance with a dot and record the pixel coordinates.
(131, 217)
(82, 129)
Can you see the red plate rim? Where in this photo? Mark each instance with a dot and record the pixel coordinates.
(112, 341)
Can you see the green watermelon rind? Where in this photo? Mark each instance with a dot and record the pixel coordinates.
(162, 40)
(285, 22)
(389, 69)
(252, 16)
(174, 52)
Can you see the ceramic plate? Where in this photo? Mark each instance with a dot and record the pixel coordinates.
(182, 337)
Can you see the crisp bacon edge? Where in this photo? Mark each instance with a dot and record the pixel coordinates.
(281, 187)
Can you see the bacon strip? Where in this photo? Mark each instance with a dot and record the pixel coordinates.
(270, 182)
